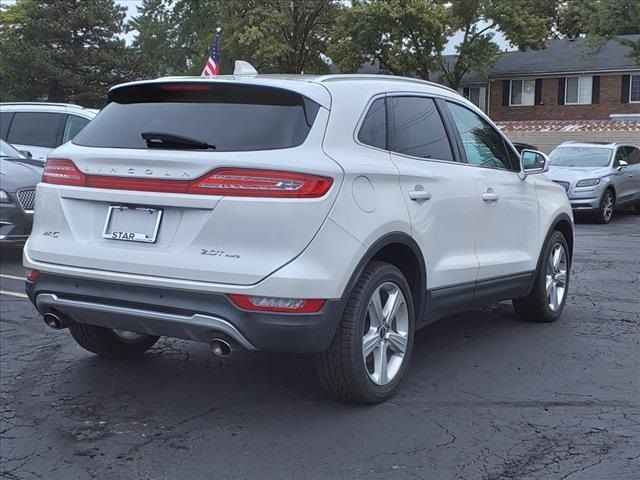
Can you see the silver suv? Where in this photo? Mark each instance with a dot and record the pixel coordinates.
(598, 177)
(39, 127)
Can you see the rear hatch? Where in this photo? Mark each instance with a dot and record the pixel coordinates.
(214, 181)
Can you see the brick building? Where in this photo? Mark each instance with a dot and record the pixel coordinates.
(569, 80)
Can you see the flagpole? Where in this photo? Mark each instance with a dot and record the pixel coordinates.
(212, 65)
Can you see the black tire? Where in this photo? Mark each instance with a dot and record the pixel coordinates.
(535, 306)
(106, 343)
(635, 208)
(341, 369)
(604, 215)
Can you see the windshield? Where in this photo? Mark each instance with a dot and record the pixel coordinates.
(228, 116)
(580, 157)
(7, 151)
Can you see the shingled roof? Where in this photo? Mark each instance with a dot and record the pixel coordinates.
(562, 56)
(567, 56)
(570, 126)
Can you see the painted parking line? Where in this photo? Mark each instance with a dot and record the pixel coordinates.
(13, 294)
(12, 277)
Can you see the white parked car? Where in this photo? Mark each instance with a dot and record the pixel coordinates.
(333, 215)
(39, 127)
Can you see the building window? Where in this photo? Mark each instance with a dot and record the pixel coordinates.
(523, 92)
(634, 94)
(578, 90)
(477, 96)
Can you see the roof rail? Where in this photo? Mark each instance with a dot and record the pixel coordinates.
(375, 76)
(593, 142)
(53, 104)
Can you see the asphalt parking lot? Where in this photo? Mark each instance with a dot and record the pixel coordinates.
(487, 396)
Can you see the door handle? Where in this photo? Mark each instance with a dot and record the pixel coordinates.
(490, 196)
(419, 195)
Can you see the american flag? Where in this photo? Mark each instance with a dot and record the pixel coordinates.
(212, 67)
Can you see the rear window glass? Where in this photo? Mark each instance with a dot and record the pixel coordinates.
(231, 117)
(374, 127)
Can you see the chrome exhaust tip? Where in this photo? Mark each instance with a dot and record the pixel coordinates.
(220, 347)
(53, 321)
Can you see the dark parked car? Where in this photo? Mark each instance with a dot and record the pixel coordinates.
(18, 178)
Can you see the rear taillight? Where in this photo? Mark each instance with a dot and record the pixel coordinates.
(138, 184)
(33, 276)
(274, 304)
(62, 172)
(240, 182)
(233, 182)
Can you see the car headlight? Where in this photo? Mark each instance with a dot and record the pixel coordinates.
(4, 197)
(589, 182)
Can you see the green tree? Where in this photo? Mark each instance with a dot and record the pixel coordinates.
(285, 36)
(407, 37)
(175, 35)
(403, 37)
(63, 50)
(155, 39)
(601, 20)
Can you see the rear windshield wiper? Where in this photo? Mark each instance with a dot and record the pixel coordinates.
(169, 140)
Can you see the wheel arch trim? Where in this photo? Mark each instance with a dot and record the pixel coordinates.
(563, 218)
(393, 238)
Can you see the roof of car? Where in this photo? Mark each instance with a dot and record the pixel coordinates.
(48, 104)
(315, 87)
(338, 77)
(47, 107)
(591, 144)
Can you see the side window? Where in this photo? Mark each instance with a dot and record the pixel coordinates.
(417, 129)
(5, 121)
(37, 129)
(74, 125)
(374, 127)
(620, 155)
(633, 155)
(483, 145)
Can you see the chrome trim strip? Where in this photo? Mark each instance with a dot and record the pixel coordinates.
(156, 227)
(197, 321)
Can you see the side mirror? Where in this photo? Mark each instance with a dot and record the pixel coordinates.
(622, 164)
(533, 162)
(26, 153)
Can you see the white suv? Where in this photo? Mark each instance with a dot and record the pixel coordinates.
(333, 215)
(39, 127)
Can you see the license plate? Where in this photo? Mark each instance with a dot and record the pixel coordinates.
(132, 224)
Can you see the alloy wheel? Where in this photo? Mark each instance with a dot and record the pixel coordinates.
(386, 332)
(556, 277)
(607, 206)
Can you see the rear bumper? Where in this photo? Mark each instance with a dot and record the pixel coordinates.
(191, 315)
